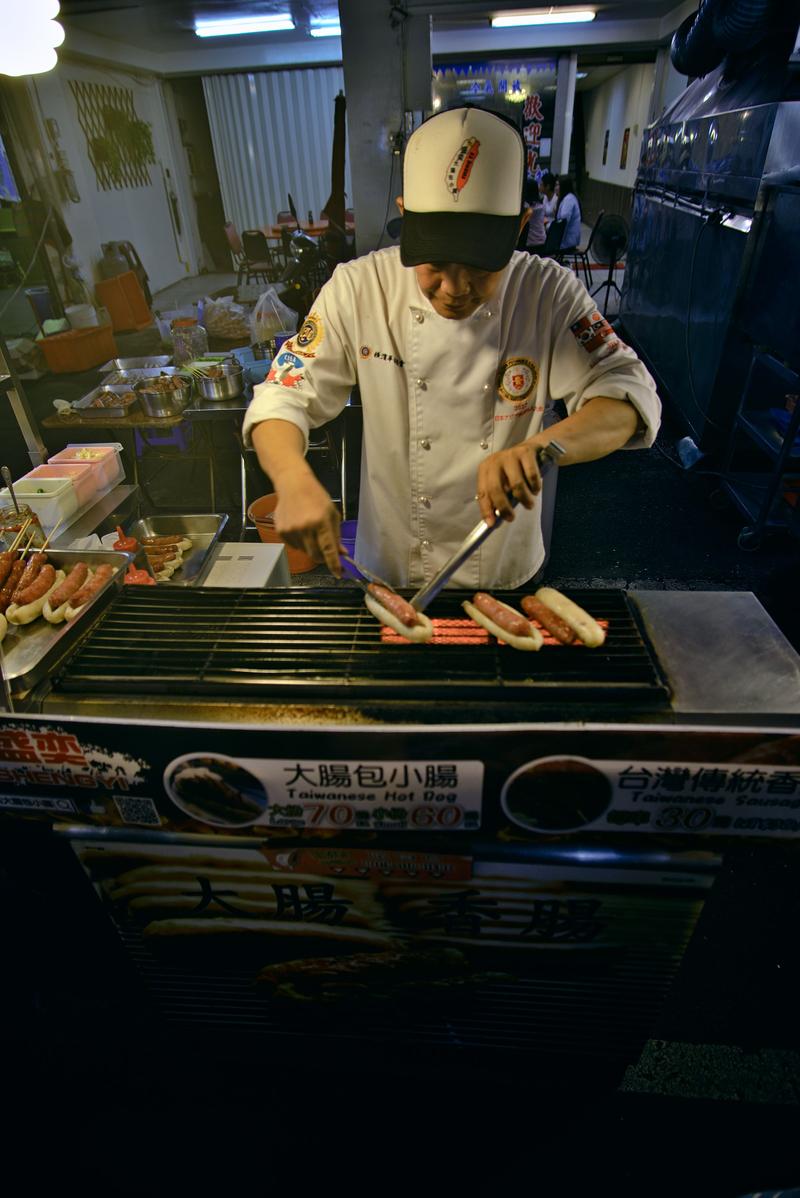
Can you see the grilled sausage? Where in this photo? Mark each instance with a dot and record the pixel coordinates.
(89, 589)
(542, 614)
(504, 616)
(6, 562)
(396, 604)
(55, 605)
(421, 631)
(37, 586)
(479, 611)
(29, 575)
(176, 540)
(579, 620)
(11, 583)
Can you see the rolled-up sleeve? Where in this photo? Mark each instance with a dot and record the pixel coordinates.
(311, 376)
(589, 360)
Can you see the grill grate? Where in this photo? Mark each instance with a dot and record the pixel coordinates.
(324, 642)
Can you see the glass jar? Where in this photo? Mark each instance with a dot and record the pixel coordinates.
(189, 341)
(11, 523)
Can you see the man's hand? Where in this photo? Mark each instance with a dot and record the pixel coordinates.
(306, 519)
(513, 471)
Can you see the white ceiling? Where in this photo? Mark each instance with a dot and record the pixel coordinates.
(159, 33)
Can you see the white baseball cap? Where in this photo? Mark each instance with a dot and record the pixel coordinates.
(462, 190)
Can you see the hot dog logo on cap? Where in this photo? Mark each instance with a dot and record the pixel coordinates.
(460, 169)
(310, 335)
(516, 378)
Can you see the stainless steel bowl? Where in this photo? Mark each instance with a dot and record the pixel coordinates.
(159, 404)
(229, 386)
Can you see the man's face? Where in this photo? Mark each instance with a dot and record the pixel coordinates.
(456, 291)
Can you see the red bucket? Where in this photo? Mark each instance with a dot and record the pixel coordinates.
(259, 512)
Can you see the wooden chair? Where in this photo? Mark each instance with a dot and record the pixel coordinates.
(580, 257)
(258, 261)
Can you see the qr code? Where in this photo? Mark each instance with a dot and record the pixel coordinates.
(138, 811)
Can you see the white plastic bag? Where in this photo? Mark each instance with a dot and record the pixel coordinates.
(224, 318)
(270, 316)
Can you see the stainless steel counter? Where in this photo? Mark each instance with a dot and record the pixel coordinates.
(721, 652)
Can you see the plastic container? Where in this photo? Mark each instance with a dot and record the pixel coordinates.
(259, 509)
(82, 316)
(189, 341)
(52, 499)
(347, 535)
(78, 349)
(105, 458)
(83, 478)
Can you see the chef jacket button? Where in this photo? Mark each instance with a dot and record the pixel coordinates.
(484, 444)
(425, 500)
(422, 384)
(425, 544)
(425, 443)
(487, 386)
(419, 317)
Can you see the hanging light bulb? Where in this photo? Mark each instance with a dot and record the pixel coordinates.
(28, 44)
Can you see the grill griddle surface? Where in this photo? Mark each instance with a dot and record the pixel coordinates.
(324, 643)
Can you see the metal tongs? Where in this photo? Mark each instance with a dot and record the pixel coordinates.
(546, 457)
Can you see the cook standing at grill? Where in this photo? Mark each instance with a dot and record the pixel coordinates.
(458, 344)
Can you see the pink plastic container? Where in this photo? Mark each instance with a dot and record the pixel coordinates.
(83, 478)
(104, 459)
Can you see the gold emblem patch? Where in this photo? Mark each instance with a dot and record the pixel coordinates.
(310, 335)
(516, 379)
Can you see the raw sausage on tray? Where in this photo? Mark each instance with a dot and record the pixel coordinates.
(31, 601)
(89, 589)
(11, 584)
(56, 603)
(503, 622)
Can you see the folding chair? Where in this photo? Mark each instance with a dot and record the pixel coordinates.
(258, 261)
(580, 256)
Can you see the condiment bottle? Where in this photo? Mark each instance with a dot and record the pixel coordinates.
(125, 544)
(138, 577)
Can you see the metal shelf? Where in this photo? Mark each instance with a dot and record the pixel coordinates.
(763, 432)
(748, 491)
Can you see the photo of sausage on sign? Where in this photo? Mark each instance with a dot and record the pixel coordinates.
(216, 791)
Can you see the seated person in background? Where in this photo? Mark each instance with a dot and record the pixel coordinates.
(535, 227)
(569, 210)
(548, 188)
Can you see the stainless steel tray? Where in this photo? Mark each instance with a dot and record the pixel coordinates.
(84, 406)
(32, 651)
(156, 360)
(203, 530)
(134, 375)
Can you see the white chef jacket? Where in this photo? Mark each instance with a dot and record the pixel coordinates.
(440, 395)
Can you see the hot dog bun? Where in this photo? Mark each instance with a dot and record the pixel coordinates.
(534, 641)
(26, 613)
(584, 626)
(421, 632)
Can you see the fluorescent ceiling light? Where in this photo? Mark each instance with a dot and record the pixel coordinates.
(325, 27)
(551, 16)
(235, 26)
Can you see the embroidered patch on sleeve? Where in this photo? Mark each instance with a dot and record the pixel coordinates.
(286, 369)
(594, 331)
(310, 335)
